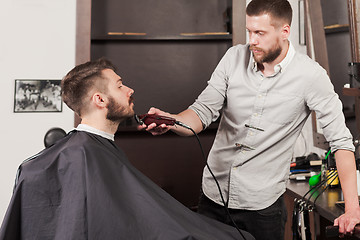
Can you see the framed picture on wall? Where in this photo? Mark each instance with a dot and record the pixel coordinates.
(37, 96)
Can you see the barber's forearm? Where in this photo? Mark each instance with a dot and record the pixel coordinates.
(345, 162)
(190, 118)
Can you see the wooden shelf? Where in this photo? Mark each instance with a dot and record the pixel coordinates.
(355, 92)
(336, 28)
(161, 38)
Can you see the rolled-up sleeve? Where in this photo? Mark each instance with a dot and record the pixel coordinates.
(322, 98)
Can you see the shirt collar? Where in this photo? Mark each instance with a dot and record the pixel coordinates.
(87, 128)
(283, 64)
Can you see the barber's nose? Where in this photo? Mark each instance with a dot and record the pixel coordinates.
(252, 39)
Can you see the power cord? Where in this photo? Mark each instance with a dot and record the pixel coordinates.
(314, 188)
(148, 119)
(212, 174)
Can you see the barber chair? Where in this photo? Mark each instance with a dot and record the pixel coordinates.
(53, 135)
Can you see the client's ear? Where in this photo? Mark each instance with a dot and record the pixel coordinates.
(99, 99)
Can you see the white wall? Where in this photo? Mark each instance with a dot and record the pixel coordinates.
(37, 42)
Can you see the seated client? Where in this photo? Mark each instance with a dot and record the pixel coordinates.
(83, 187)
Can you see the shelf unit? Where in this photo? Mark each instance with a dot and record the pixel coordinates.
(166, 51)
(84, 28)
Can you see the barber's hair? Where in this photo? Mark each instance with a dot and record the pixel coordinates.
(277, 9)
(80, 80)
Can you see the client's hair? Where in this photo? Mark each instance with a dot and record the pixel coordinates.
(77, 83)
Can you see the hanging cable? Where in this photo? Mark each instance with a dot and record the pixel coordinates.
(213, 176)
(147, 119)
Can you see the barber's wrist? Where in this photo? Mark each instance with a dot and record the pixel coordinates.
(352, 206)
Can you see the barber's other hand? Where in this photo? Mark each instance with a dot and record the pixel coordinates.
(153, 128)
(347, 222)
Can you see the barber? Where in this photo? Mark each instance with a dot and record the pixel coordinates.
(264, 92)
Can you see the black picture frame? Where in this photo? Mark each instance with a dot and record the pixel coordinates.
(34, 95)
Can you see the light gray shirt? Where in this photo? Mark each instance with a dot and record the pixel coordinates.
(261, 118)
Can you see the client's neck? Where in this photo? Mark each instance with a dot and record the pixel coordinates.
(104, 125)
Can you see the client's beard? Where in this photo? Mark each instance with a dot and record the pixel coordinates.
(118, 113)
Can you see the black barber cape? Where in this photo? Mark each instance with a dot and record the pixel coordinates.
(83, 187)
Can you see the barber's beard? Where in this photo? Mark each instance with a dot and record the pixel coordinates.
(118, 113)
(268, 56)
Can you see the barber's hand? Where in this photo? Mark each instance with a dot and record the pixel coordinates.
(347, 222)
(153, 128)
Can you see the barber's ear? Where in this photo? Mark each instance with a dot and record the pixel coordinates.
(99, 99)
(285, 32)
